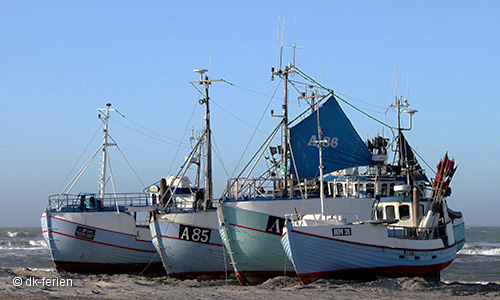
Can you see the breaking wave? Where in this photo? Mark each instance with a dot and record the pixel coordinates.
(481, 248)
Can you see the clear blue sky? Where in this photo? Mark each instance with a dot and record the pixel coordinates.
(61, 60)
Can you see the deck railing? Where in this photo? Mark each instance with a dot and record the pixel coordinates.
(251, 188)
(416, 233)
(91, 202)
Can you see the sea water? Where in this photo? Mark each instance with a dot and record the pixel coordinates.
(479, 259)
(477, 262)
(24, 247)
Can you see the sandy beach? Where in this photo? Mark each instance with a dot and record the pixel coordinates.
(26, 284)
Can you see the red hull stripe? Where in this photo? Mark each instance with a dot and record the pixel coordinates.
(101, 243)
(176, 238)
(375, 246)
(249, 228)
(61, 219)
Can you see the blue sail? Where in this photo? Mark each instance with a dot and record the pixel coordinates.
(343, 148)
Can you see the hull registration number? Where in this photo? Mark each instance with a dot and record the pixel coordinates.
(341, 231)
(86, 233)
(194, 234)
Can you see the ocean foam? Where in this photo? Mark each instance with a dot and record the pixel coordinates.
(38, 243)
(12, 234)
(479, 251)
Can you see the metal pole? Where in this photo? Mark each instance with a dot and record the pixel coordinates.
(324, 207)
(208, 148)
(284, 132)
(104, 153)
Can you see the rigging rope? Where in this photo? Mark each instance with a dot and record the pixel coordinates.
(366, 114)
(79, 158)
(183, 135)
(112, 182)
(236, 117)
(246, 89)
(423, 160)
(120, 150)
(174, 143)
(201, 93)
(72, 183)
(365, 102)
(258, 124)
(217, 153)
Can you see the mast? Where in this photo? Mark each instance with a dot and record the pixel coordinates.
(324, 207)
(102, 179)
(284, 169)
(400, 103)
(208, 195)
(208, 147)
(400, 132)
(284, 128)
(290, 68)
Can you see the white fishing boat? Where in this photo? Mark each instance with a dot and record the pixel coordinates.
(411, 234)
(100, 232)
(252, 212)
(185, 227)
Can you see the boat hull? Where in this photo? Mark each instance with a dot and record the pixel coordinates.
(362, 250)
(99, 242)
(190, 245)
(251, 231)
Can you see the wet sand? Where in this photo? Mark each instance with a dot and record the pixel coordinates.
(38, 285)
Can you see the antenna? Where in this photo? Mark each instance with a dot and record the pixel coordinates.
(294, 34)
(210, 65)
(407, 87)
(282, 36)
(278, 44)
(392, 90)
(396, 89)
(294, 46)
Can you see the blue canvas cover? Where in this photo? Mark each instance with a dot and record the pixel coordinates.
(343, 149)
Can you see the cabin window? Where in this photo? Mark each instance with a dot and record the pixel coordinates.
(390, 212)
(340, 189)
(404, 212)
(370, 189)
(391, 189)
(384, 189)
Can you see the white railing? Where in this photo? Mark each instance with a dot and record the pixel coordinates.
(416, 233)
(91, 202)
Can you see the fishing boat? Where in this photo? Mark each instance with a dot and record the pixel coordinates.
(100, 232)
(413, 233)
(251, 213)
(184, 228)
